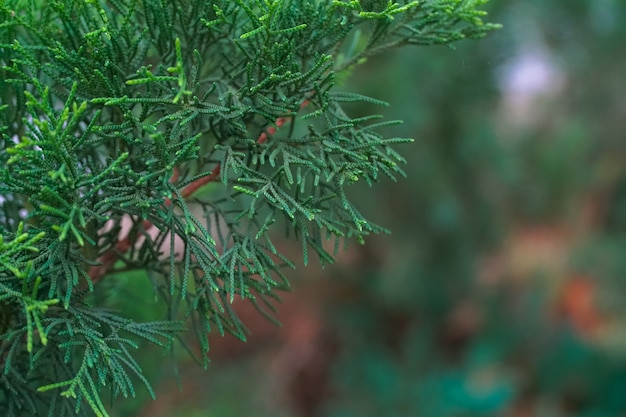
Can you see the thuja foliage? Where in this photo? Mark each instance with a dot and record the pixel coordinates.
(113, 114)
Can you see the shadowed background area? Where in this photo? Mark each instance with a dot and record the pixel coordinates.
(500, 291)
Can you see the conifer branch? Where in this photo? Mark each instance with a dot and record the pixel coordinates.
(113, 110)
(106, 262)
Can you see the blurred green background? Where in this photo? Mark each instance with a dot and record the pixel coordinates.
(500, 291)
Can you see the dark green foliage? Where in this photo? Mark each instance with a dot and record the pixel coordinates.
(111, 110)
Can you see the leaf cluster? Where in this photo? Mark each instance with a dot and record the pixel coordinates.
(112, 112)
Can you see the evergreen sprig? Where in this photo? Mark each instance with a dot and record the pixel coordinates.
(116, 112)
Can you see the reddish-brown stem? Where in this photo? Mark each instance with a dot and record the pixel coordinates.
(107, 260)
(194, 186)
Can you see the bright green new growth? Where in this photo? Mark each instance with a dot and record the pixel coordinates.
(112, 110)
